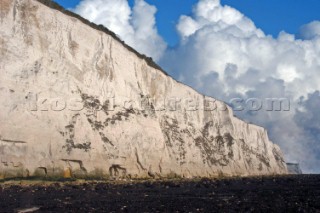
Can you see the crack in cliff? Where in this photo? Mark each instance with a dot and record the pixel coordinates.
(12, 141)
(78, 162)
(115, 169)
(138, 160)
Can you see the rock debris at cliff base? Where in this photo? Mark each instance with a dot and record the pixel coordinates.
(299, 193)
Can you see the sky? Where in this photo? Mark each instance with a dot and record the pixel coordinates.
(273, 16)
(233, 49)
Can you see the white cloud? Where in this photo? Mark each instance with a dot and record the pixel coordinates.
(310, 31)
(187, 26)
(223, 54)
(136, 26)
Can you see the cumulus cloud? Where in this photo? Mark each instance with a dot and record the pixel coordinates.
(310, 31)
(224, 55)
(136, 26)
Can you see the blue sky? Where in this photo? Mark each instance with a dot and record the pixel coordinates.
(272, 16)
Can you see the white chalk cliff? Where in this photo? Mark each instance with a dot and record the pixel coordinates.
(76, 101)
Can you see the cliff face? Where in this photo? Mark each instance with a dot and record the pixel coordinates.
(75, 101)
